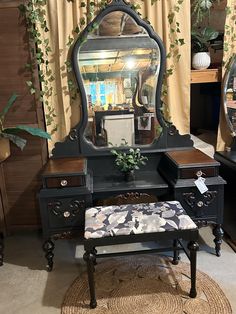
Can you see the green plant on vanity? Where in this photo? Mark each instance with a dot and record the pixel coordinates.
(11, 133)
(128, 161)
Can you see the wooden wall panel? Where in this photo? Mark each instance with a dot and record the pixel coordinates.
(21, 170)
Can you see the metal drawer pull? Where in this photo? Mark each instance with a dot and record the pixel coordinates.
(200, 203)
(199, 173)
(66, 214)
(64, 182)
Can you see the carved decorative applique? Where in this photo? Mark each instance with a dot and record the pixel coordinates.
(71, 210)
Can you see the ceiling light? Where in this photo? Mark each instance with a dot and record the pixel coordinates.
(130, 63)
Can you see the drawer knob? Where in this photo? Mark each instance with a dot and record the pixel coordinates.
(199, 173)
(64, 182)
(200, 203)
(66, 214)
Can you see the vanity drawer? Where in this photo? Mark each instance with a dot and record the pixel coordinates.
(65, 181)
(66, 213)
(202, 207)
(189, 173)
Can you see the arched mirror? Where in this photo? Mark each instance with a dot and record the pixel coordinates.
(118, 62)
(229, 95)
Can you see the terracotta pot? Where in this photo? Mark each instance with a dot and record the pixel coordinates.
(201, 60)
(4, 148)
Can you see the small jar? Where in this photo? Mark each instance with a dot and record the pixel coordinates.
(229, 94)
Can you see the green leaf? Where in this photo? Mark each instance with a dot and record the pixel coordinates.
(28, 129)
(9, 104)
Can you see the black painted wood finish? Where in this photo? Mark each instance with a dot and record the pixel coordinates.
(207, 208)
(76, 142)
(227, 158)
(228, 172)
(190, 235)
(92, 178)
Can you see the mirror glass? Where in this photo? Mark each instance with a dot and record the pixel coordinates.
(119, 64)
(230, 95)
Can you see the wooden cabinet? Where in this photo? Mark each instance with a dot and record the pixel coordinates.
(20, 172)
(181, 169)
(62, 206)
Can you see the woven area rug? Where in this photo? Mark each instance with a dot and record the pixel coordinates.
(145, 284)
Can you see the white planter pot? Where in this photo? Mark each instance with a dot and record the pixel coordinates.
(201, 60)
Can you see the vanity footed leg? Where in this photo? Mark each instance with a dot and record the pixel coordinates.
(218, 233)
(48, 248)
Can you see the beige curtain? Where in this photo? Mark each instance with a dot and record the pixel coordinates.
(224, 136)
(63, 16)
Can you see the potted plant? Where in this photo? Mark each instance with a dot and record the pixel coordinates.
(128, 161)
(11, 133)
(200, 41)
(201, 9)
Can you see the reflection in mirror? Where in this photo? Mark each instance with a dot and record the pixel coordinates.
(230, 95)
(119, 64)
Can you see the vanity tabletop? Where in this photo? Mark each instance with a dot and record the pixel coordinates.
(65, 166)
(192, 157)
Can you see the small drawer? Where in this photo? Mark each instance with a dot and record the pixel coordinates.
(200, 206)
(194, 173)
(63, 182)
(67, 212)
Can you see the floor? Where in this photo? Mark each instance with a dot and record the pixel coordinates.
(27, 288)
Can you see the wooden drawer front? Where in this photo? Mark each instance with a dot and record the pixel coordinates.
(64, 182)
(191, 173)
(67, 212)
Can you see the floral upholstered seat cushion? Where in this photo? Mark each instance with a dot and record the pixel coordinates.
(107, 221)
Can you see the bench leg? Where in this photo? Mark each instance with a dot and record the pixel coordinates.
(90, 259)
(193, 248)
(176, 257)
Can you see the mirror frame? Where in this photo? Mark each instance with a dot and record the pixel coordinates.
(76, 143)
(117, 5)
(224, 92)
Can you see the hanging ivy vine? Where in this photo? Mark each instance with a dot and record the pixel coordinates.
(35, 14)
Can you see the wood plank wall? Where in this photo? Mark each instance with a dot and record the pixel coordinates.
(21, 170)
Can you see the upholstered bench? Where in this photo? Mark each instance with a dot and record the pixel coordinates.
(110, 225)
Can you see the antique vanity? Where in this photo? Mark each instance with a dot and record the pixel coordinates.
(119, 62)
(227, 158)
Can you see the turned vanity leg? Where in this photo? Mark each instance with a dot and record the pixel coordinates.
(193, 248)
(218, 233)
(1, 248)
(48, 248)
(176, 257)
(90, 260)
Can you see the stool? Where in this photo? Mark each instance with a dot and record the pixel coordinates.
(110, 225)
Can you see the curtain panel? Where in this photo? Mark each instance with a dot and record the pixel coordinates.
(224, 138)
(62, 18)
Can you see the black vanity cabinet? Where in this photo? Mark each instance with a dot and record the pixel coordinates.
(119, 69)
(66, 193)
(227, 158)
(181, 170)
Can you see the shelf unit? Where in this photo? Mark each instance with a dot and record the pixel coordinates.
(206, 76)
